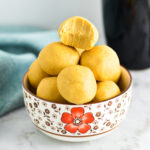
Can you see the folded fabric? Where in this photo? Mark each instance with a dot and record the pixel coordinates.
(19, 47)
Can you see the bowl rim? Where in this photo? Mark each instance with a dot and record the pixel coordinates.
(124, 91)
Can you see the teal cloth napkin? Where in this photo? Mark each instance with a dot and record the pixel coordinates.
(19, 47)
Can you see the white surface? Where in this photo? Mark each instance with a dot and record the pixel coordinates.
(50, 13)
(18, 133)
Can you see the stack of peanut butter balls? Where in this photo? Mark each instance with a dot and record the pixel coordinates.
(74, 70)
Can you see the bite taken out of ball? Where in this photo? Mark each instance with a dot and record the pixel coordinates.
(78, 32)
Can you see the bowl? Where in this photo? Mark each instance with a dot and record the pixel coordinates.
(78, 123)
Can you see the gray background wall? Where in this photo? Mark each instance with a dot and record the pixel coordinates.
(50, 13)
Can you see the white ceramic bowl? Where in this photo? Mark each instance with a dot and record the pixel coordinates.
(77, 123)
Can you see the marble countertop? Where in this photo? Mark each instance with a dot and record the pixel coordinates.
(18, 133)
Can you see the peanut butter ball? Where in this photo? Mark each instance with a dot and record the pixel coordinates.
(47, 89)
(36, 74)
(103, 61)
(56, 56)
(77, 84)
(106, 90)
(78, 32)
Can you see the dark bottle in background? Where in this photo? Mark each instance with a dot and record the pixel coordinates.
(127, 29)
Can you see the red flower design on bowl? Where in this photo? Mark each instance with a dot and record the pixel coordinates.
(77, 120)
